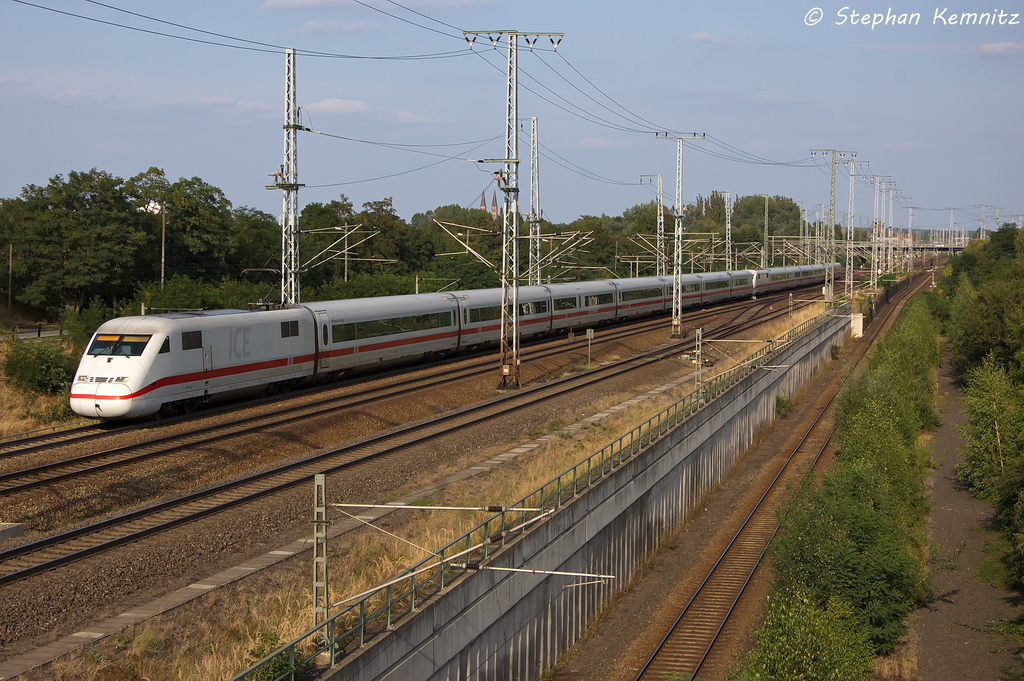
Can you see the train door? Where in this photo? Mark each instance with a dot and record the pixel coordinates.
(323, 343)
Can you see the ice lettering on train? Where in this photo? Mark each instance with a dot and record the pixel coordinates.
(240, 342)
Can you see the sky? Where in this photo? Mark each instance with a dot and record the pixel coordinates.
(927, 102)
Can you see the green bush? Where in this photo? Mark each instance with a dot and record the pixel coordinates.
(41, 366)
(802, 640)
(267, 643)
(849, 563)
(845, 540)
(1017, 540)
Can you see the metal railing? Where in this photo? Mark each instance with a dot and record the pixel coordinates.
(366, 615)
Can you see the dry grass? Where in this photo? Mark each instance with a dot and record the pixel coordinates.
(215, 636)
(23, 412)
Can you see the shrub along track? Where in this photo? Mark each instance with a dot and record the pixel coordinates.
(658, 602)
(134, 569)
(689, 645)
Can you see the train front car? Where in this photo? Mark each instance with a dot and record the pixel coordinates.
(112, 376)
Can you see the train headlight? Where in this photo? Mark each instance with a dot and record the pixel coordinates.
(121, 379)
(83, 379)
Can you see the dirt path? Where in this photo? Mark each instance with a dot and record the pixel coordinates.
(953, 643)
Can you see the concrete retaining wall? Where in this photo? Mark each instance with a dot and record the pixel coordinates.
(512, 626)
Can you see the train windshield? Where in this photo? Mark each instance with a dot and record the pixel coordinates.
(130, 346)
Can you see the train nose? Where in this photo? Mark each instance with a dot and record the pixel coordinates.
(101, 400)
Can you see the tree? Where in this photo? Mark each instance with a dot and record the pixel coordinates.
(257, 236)
(201, 238)
(77, 236)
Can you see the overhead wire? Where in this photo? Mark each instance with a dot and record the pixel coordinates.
(444, 159)
(249, 46)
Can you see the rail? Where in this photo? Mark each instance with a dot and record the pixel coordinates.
(370, 613)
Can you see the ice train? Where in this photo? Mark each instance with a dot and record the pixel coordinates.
(165, 363)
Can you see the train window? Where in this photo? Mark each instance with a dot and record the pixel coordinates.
(325, 336)
(691, 288)
(712, 285)
(166, 347)
(600, 299)
(741, 282)
(565, 303)
(373, 328)
(484, 314)
(116, 344)
(539, 307)
(289, 329)
(191, 340)
(643, 293)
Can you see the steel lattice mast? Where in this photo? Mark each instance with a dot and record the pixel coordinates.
(830, 236)
(287, 180)
(677, 247)
(534, 276)
(849, 235)
(510, 225)
(659, 243)
(509, 342)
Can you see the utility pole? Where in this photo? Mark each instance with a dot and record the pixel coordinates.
(534, 275)
(765, 260)
(803, 232)
(509, 347)
(729, 264)
(849, 235)
(287, 180)
(677, 252)
(830, 237)
(660, 238)
(875, 180)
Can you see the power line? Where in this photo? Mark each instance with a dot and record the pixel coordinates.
(251, 46)
(409, 147)
(444, 159)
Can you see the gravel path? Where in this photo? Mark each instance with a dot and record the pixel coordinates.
(953, 642)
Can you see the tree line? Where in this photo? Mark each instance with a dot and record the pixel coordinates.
(91, 236)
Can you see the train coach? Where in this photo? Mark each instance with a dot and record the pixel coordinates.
(167, 363)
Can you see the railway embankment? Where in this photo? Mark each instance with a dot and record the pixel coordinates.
(521, 621)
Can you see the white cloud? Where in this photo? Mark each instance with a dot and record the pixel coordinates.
(703, 37)
(326, 27)
(211, 100)
(1003, 48)
(409, 117)
(338, 106)
(78, 96)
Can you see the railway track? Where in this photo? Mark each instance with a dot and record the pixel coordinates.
(22, 480)
(35, 444)
(689, 646)
(46, 554)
